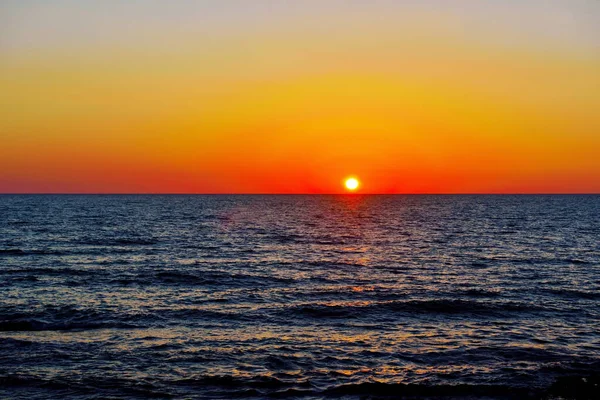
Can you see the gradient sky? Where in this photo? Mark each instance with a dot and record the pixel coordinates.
(224, 96)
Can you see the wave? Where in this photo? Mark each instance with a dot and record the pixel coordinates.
(31, 272)
(12, 252)
(132, 242)
(176, 277)
(26, 278)
(216, 278)
(442, 306)
(108, 386)
(118, 242)
(576, 387)
(573, 293)
(144, 277)
(485, 355)
(11, 344)
(28, 325)
(201, 314)
(337, 264)
(34, 252)
(68, 318)
(223, 386)
(480, 293)
(64, 319)
(72, 318)
(480, 264)
(577, 261)
(12, 381)
(395, 390)
(286, 238)
(264, 382)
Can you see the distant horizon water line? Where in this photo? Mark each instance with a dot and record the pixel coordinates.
(354, 194)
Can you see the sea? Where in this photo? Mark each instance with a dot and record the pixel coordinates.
(299, 296)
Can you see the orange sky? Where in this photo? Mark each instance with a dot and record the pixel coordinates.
(265, 97)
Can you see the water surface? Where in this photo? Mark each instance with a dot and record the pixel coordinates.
(296, 296)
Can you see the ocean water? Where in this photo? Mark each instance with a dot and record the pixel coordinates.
(313, 297)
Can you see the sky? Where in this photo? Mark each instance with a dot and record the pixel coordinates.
(237, 96)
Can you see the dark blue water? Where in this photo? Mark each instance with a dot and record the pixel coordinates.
(298, 296)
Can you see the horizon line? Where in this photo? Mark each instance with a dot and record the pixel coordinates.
(293, 194)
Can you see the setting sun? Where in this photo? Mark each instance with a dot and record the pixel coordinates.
(351, 183)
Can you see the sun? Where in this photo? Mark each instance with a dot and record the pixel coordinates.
(351, 184)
